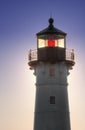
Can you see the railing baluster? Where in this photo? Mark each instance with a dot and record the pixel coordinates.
(33, 55)
(70, 55)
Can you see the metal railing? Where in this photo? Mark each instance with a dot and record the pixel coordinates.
(32, 56)
(70, 55)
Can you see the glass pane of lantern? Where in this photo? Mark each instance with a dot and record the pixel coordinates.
(61, 43)
(41, 43)
(51, 43)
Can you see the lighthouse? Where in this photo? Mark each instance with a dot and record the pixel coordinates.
(51, 62)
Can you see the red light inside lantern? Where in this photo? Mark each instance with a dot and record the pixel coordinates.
(51, 43)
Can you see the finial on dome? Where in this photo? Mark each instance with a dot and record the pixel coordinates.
(51, 20)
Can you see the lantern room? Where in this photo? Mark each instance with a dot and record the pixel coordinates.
(51, 40)
(51, 37)
(51, 44)
(51, 47)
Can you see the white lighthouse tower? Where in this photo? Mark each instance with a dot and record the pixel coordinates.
(51, 62)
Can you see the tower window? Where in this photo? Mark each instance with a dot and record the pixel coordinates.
(52, 99)
(52, 72)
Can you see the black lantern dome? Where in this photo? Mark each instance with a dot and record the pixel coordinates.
(51, 29)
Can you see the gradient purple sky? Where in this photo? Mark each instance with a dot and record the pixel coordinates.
(20, 20)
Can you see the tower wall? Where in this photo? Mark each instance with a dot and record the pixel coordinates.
(51, 105)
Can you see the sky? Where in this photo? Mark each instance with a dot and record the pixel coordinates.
(20, 20)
